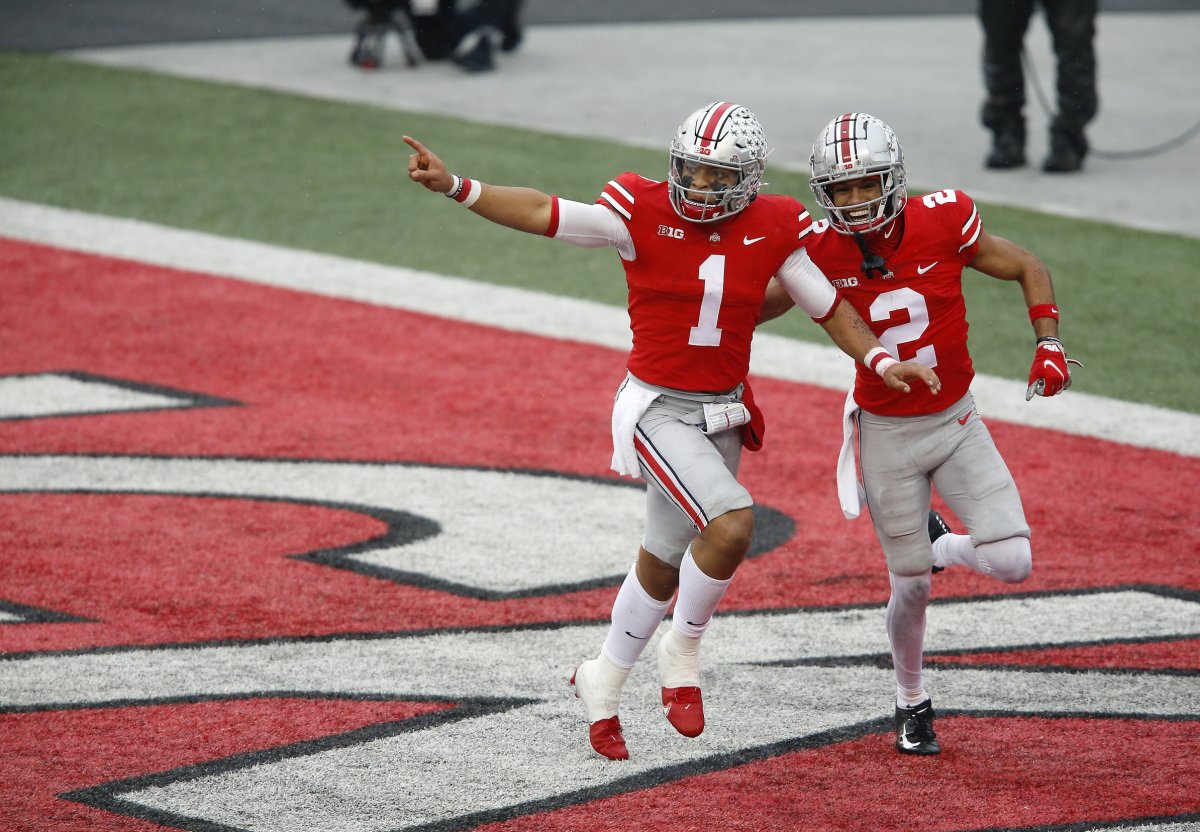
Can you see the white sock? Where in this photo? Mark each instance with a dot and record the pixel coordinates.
(1009, 560)
(905, 619)
(635, 618)
(956, 550)
(699, 596)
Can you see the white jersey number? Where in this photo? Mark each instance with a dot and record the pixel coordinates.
(706, 333)
(918, 322)
(938, 198)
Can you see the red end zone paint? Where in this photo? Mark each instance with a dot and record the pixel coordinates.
(997, 773)
(336, 380)
(328, 379)
(47, 754)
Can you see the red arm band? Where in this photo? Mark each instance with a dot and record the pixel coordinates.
(1043, 310)
(552, 229)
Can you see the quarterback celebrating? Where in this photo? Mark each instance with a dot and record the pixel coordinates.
(900, 261)
(698, 251)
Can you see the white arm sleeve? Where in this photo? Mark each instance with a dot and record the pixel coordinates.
(807, 285)
(592, 226)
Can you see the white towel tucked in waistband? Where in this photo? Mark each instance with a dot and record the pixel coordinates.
(850, 491)
(632, 400)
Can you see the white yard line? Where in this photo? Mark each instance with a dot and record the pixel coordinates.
(547, 315)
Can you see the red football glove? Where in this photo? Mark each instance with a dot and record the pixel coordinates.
(1051, 372)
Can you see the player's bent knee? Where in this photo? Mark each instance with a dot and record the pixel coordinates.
(656, 575)
(737, 528)
(1010, 560)
(731, 532)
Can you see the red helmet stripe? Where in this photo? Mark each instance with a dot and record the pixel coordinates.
(710, 127)
(845, 137)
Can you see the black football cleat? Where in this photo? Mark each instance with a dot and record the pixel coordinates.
(914, 730)
(937, 528)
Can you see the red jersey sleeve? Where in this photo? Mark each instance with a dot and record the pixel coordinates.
(970, 227)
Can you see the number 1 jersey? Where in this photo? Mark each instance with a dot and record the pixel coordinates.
(696, 289)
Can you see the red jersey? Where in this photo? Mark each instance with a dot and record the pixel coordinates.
(917, 308)
(696, 289)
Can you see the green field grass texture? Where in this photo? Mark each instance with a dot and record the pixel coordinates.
(329, 177)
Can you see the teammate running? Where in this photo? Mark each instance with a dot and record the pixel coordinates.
(900, 261)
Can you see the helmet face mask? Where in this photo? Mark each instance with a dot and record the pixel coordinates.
(718, 156)
(855, 146)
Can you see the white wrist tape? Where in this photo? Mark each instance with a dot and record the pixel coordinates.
(879, 360)
(476, 191)
(465, 191)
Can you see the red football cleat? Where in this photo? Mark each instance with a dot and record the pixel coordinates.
(684, 708)
(607, 739)
(597, 683)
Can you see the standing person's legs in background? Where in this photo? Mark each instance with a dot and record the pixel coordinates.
(1073, 27)
(1004, 25)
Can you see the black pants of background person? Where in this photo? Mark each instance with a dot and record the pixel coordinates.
(463, 32)
(1072, 25)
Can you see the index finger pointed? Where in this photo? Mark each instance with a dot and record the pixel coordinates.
(415, 145)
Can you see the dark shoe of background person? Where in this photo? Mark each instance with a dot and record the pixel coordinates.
(369, 44)
(511, 38)
(1008, 151)
(477, 58)
(1066, 156)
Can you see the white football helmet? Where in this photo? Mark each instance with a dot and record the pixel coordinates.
(724, 136)
(854, 146)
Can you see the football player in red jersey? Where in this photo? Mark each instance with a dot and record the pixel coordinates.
(900, 261)
(698, 250)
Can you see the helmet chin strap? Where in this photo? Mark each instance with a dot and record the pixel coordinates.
(872, 262)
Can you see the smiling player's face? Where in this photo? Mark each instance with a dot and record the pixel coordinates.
(856, 192)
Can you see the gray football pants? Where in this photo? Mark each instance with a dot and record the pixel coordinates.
(953, 450)
(692, 477)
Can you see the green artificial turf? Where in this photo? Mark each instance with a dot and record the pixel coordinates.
(330, 177)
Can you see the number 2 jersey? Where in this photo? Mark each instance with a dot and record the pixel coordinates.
(696, 289)
(916, 308)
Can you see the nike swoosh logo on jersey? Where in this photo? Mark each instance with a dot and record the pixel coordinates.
(964, 419)
(923, 269)
(749, 241)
